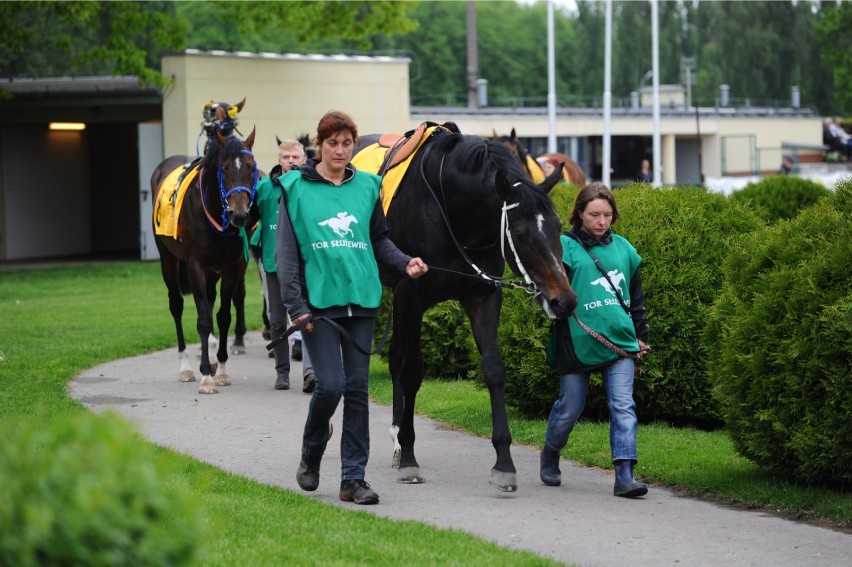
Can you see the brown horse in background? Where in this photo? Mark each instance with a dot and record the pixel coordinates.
(208, 246)
(571, 173)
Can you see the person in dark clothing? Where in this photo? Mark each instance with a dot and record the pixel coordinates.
(332, 233)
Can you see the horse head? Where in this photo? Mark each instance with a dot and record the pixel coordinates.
(237, 176)
(221, 117)
(532, 230)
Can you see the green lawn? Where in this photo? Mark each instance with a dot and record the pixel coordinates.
(57, 322)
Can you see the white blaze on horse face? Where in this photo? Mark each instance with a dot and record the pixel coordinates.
(539, 221)
(238, 163)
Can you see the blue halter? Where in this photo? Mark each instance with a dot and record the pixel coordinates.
(227, 193)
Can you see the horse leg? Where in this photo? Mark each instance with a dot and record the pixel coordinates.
(239, 345)
(212, 279)
(204, 324)
(170, 269)
(229, 286)
(484, 315)
(406, 367)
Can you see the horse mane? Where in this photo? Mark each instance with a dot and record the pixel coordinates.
(470, 153)
(233, 147)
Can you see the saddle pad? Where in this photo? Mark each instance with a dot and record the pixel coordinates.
(372, 157)
(170, 196)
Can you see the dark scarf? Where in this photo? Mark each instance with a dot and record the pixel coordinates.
(586, 239)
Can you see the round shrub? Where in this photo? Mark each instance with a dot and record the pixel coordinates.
(683, 236)
(782, 331)
(444, 339)
(85, 491)
(780, 196)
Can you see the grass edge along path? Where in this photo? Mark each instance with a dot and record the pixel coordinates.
(58, 322)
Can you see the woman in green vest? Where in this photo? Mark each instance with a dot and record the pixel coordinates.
(331, 234)
(604, 271)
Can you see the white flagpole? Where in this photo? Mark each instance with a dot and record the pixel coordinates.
(607, 96)
(551, 80)
(655, 66)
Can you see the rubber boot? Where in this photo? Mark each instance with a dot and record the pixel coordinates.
(550, 473)
(625, 485)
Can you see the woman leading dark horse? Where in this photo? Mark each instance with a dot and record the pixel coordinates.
(331, 234)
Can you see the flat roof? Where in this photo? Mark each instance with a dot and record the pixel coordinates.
(296, 56)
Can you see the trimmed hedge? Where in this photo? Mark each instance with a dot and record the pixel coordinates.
(782, 332)
(86, 491)
(781, 196)
(446, 341)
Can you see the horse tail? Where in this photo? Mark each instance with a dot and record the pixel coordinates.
(183, 278)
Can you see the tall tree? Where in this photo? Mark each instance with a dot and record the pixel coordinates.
(85, 38)
(836, 48)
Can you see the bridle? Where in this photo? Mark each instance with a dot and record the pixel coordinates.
(225, 193)
(528, 285)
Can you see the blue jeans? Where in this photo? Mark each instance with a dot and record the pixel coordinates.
(618, 380)
(341, 371)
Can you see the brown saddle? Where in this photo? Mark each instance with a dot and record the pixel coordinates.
(401, 146)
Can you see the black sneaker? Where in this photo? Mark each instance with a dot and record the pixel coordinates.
(297, 350)
(357, 491)
(308, 474)
(309, 383)
(282, 383)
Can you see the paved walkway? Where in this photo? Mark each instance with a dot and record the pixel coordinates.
(252, 430)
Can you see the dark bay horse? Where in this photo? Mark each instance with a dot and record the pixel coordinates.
(464, 206)
(572, 172)
(208, 247)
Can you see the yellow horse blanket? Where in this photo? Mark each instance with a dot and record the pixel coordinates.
(170, 197)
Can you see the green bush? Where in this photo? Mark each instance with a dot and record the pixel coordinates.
(683, 236)
(446, 340)
(780, 196)
(782, 335)
(86, 491)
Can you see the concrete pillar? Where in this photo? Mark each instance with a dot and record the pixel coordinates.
(669, 173)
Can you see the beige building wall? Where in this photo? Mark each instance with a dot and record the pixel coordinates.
(286, 95)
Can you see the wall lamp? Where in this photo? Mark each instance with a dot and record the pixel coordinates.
(67, 126)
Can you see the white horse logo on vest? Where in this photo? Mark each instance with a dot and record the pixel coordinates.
(616, 278)
(340, 224)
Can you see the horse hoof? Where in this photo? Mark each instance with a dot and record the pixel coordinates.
(222, 380)
(410, 475)
(397, 455)
(503, 481)
(238, 349)
(186, 376)
(209, 389)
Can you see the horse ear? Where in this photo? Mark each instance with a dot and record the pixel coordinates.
(514, 136)
(240, 105)
(494, 135)
(506, 191)
(551, 180)
(277, 140)
(250, 140)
